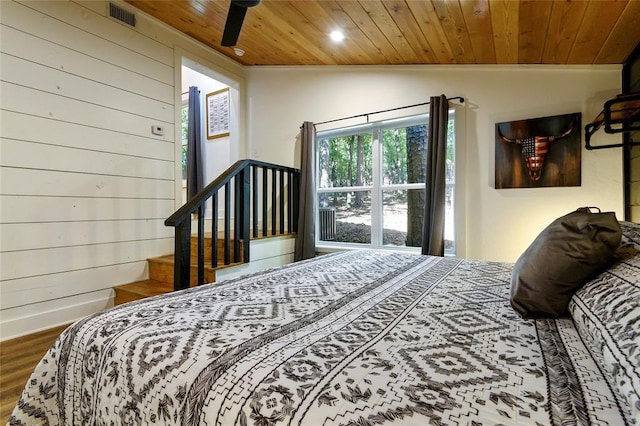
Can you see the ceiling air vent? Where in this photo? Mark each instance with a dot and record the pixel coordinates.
(122, 15)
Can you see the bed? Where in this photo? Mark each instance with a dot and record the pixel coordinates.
(352, 338)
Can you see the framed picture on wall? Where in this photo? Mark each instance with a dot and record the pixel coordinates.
(218, 114)
(539, 152)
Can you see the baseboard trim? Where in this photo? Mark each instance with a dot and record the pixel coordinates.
(17, 324)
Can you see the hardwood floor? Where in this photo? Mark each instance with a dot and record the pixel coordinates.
(18, 358)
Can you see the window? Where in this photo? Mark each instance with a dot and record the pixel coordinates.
(184, 133)
(370, 184)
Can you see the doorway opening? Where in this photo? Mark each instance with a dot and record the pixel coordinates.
(217, 153)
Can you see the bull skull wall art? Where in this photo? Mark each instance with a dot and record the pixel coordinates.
(549, 148)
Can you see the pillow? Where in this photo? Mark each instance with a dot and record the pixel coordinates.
(566, 254)
(606, 312)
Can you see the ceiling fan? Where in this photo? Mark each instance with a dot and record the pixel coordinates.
(235, 17)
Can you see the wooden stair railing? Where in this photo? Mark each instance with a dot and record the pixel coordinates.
(244, 209)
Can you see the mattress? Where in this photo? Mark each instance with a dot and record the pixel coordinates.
(352, 338)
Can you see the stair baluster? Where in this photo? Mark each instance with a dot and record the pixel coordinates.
(242, 180)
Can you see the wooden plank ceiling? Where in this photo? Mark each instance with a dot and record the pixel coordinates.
(385, 32)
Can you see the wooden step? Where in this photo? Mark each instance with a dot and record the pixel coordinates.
(207, 240)
(160, 280)
(140, 290)
(161, 269)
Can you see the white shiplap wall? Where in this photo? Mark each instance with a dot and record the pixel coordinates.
(84, 184)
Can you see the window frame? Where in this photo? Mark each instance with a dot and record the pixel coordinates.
(377, 188)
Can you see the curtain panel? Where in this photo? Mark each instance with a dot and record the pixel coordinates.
(195, 167)
(306, 234)
(434, 208)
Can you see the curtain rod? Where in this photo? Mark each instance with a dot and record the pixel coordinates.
(459, 98)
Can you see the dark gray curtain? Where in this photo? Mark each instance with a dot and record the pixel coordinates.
(195, 166)
(434, 206)
(306, 234)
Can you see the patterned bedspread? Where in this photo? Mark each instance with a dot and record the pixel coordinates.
(353, 338)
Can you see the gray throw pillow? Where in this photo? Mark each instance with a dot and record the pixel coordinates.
(566, 254)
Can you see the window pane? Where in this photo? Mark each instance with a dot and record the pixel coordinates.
(402, 217)
(345, 161)
(185, 132)
(451, 151)
(449, 240)
(404, 155)
(345, 217)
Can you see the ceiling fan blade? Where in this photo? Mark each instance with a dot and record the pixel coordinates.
(235, 17)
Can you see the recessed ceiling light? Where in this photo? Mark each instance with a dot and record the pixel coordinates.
(336, 35)
(238, 51)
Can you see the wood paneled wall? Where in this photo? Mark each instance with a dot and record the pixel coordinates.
(631, 84)
(85, 186)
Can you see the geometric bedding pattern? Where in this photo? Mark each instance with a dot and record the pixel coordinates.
(606, 312)
(352, 338)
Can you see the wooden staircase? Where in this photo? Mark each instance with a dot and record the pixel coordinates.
(248, 199)
(161, 272)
